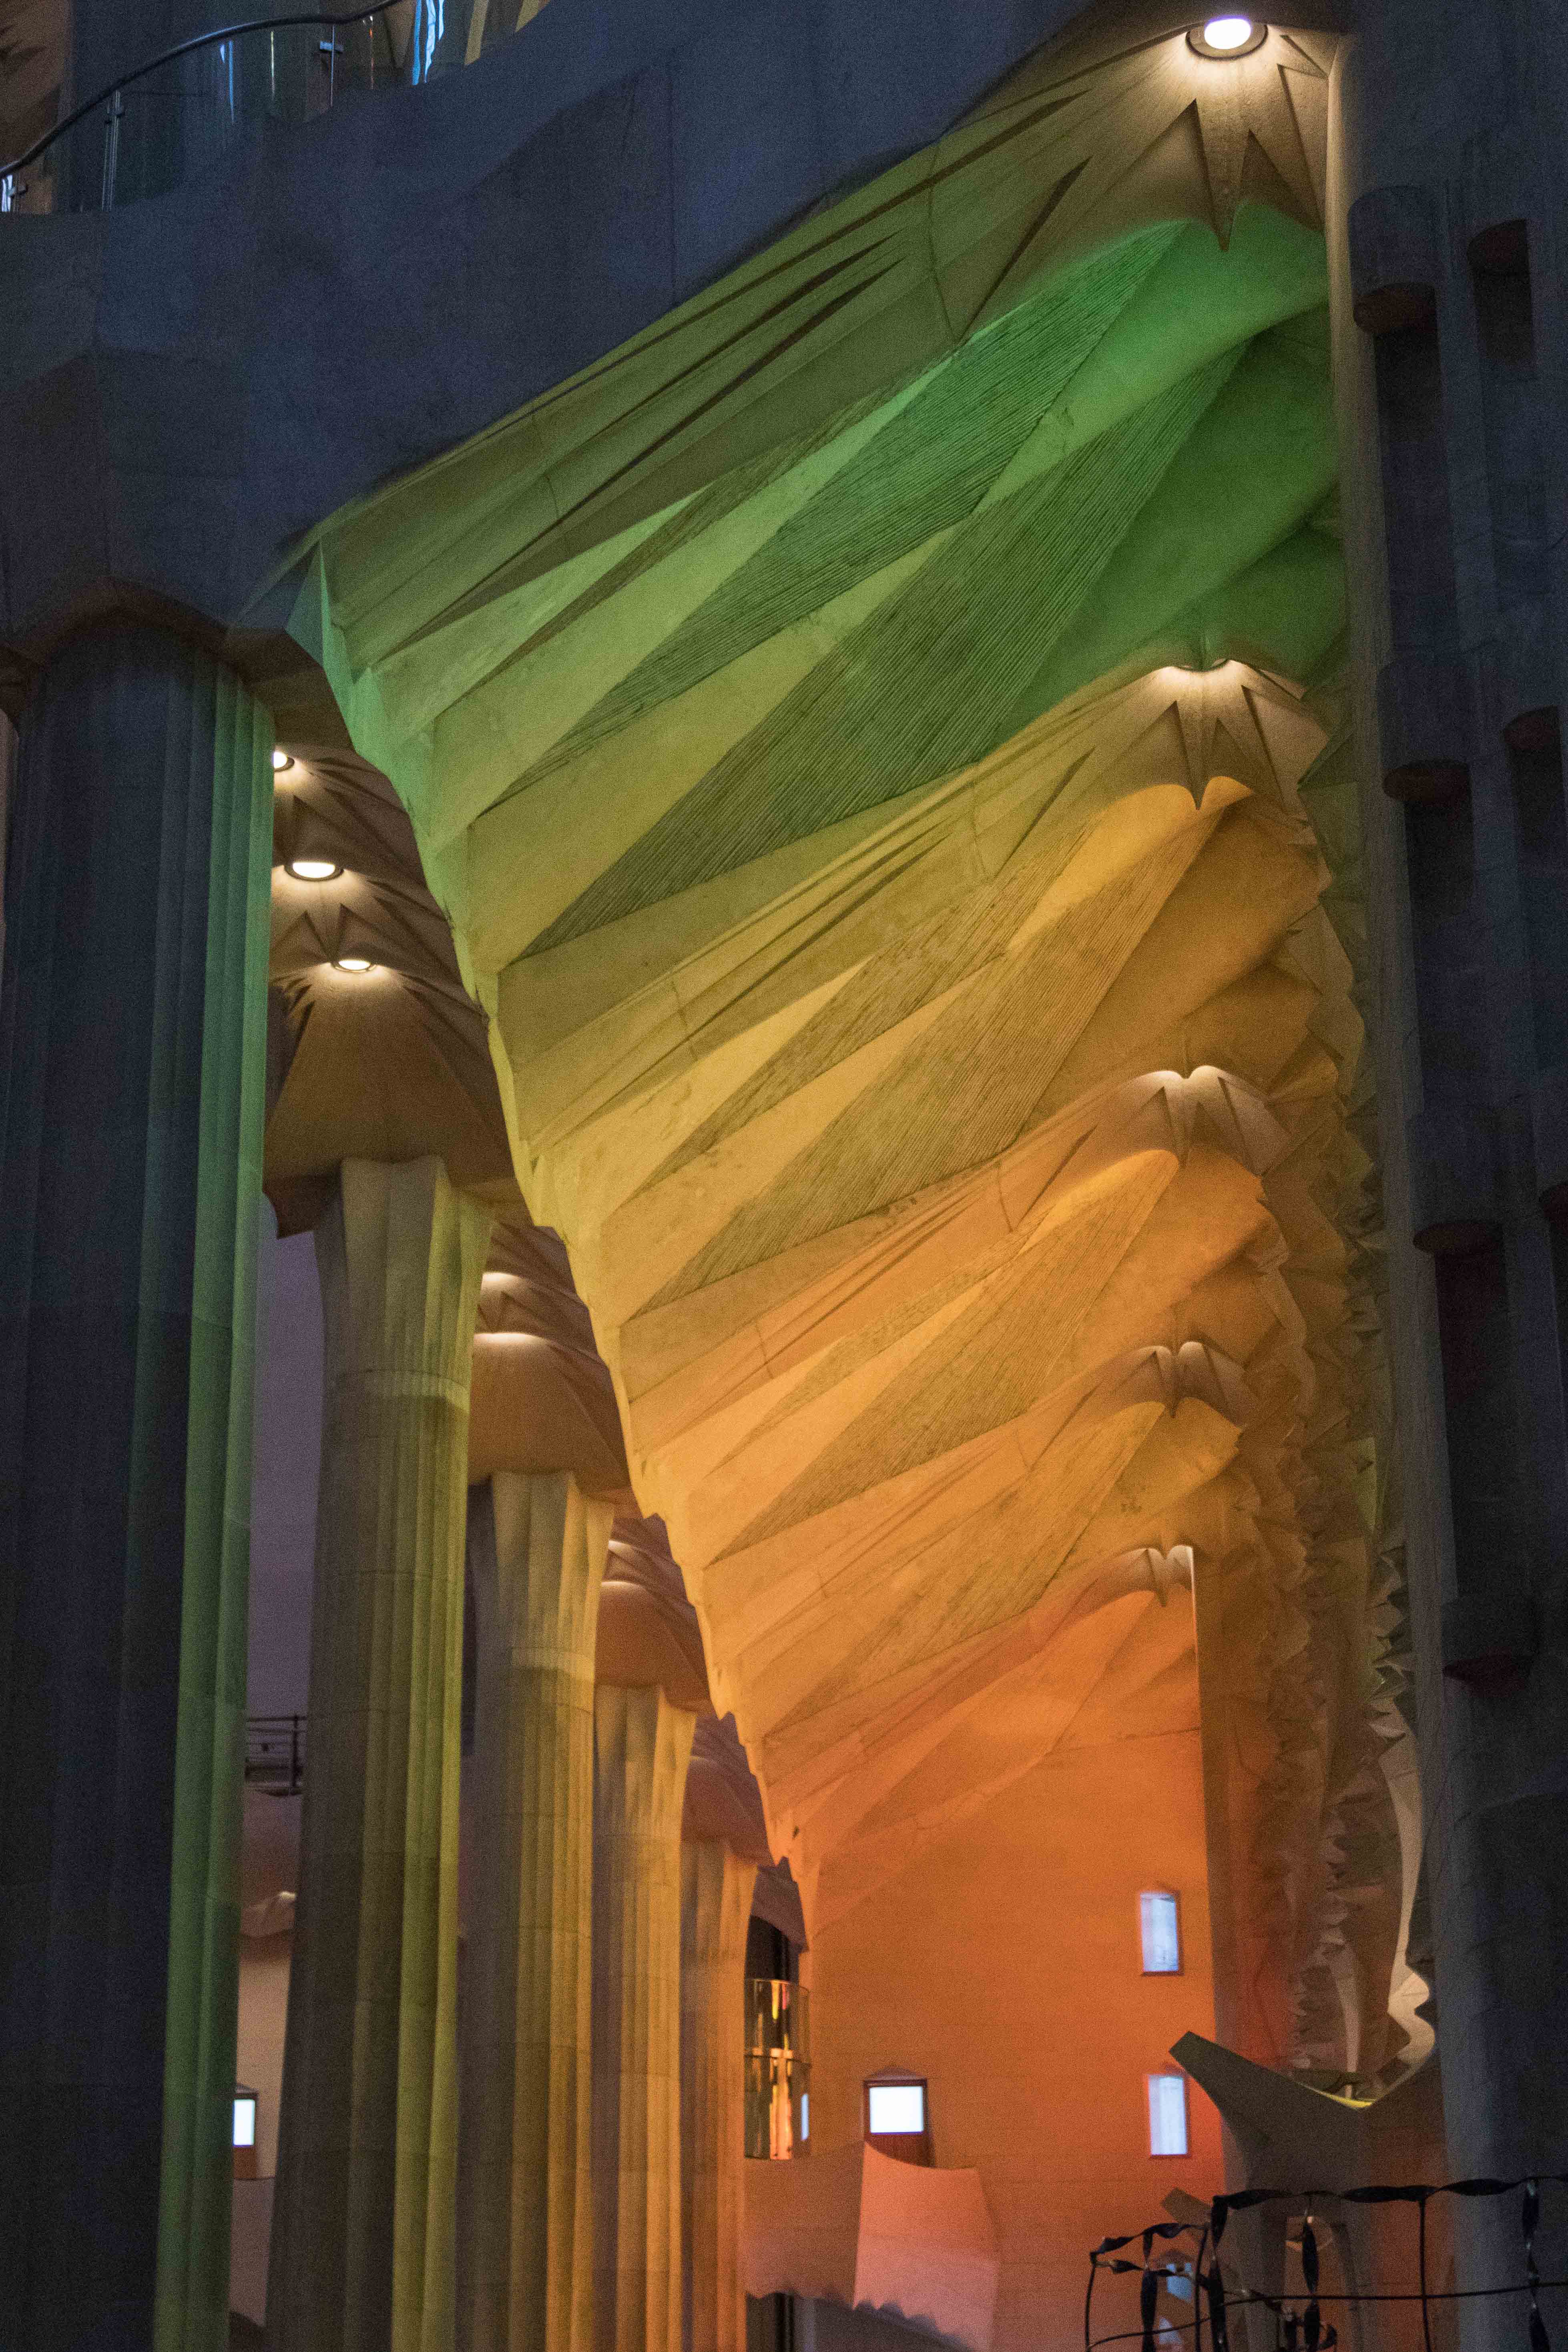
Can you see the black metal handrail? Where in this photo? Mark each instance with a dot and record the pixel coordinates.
(182, 49)
(1299, 2318)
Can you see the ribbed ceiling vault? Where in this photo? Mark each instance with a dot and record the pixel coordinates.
(877, 738)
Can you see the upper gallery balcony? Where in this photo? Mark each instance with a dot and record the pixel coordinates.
(186, 107)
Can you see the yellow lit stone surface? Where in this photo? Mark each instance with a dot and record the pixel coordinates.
(715, 1906)
(537, 1551)
(362, 2246)
(642, 1744)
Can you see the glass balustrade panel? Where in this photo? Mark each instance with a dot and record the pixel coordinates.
(189, 115)
(778, 2068)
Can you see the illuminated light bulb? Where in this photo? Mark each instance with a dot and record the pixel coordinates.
(312, 870)
(281, 759)
(355, 963)
(1226, 37)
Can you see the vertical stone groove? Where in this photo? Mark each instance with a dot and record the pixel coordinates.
(642, 1745)
(364, 2227)
(538, 1549)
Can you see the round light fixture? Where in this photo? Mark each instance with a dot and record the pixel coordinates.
(281, 759)
(312, 870)
(352, 964)
(1226, 37)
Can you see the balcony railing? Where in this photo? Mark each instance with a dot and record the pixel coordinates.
(275, 1753)
(187, 108)
(778, 2067)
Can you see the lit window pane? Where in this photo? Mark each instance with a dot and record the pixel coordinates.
(805, 2114)
(1167, 2115)
(245, 2119)
(1162, 1934)
(897, 2107)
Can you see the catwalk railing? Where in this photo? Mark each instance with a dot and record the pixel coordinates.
(1299, 2320)
(275, 1753)
(191, 104)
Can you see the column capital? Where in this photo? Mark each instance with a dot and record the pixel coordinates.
(546, 1544)
(401, 1251)
(642, 1745)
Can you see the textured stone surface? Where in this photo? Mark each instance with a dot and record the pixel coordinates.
(715, 1906)
(131, 1062)
(1454, 455)
(885, 732)
(537, 1551)
(362, 2256)
(858, 831)
(641, 1745)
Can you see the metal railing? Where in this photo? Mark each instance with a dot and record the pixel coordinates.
(1213, 2287)
(190, 105)
(275, 1753)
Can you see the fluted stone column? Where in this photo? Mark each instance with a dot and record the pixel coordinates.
(537, 1551)
(364, 2226)
(715, 1907)
(642, 1744)
(132, 1050)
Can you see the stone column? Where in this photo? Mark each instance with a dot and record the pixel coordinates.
(132, 1048)
(642, 1744)
(537, 1549)
(364, 2226)
(715, 1907)
(1448, 217)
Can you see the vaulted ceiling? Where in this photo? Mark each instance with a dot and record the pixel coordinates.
(878, 742)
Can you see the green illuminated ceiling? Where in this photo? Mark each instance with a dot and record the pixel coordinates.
(841, 526)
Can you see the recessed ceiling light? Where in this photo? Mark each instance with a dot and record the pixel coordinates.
(1226, 37)
(281, 759)
(352, 964)
(312, 870)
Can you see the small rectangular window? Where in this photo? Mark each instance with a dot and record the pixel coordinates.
(1167, 2115)
(245, 2119)
(1160, 1925)
(897, 2107)
(805, 2114)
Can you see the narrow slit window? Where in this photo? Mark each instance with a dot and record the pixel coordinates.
(897, 2107)
(1160, 1927)
(245, 2119)
(1167, 2115)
